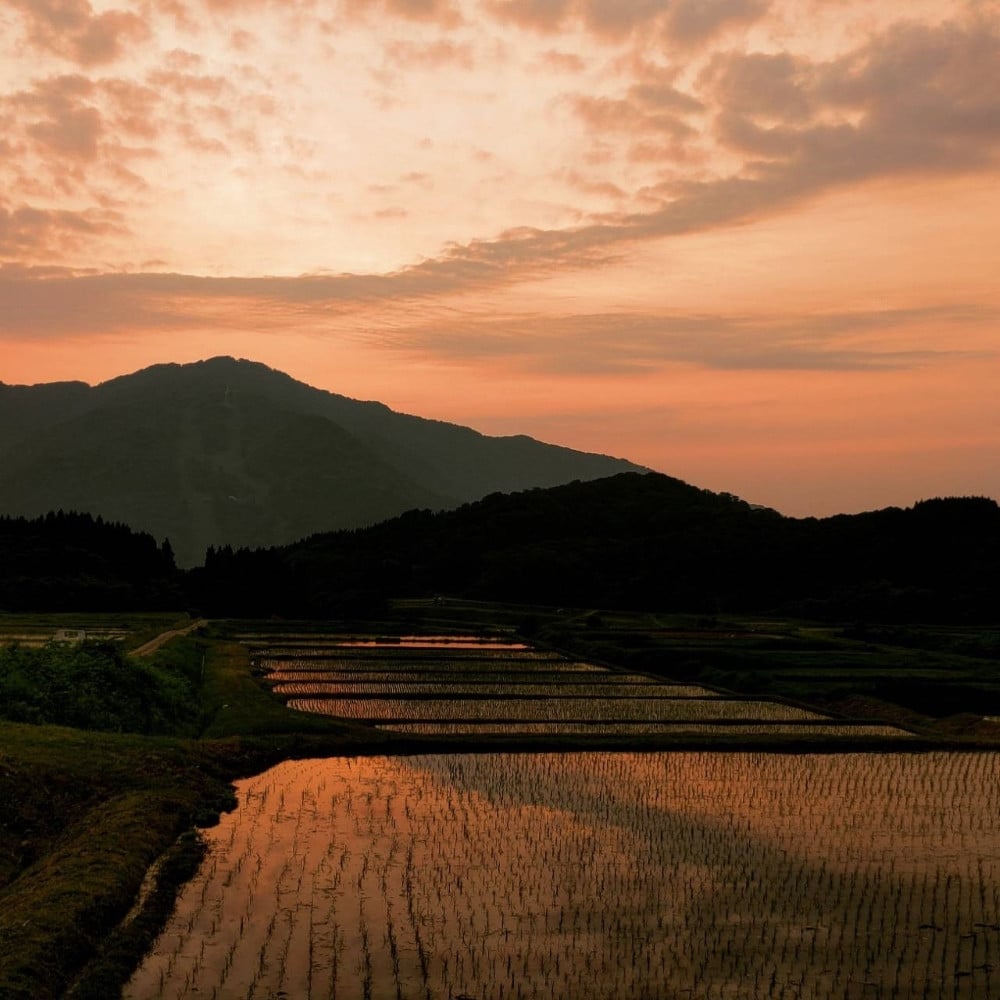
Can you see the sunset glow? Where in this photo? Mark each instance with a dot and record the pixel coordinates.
(749, 243)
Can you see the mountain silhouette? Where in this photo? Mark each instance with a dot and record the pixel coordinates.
(231, 452)
(634, 541)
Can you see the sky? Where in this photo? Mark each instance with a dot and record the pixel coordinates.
(750, 243)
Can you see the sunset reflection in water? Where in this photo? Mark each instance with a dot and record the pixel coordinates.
(596, 874)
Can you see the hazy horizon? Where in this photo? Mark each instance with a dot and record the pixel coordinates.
(747, 243)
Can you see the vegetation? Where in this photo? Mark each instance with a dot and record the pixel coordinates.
(96, 685)
(632, 541)
(639, 542)
(79, 563)
(85, 815)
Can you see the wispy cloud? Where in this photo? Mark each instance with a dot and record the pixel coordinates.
(42, 302)
(627, 343)
(34, 232)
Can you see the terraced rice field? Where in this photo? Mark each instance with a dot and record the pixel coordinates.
(457, 686)
(720, 876)
(680, 728)
(561, 708)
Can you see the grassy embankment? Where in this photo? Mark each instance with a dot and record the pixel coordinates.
(86, 813)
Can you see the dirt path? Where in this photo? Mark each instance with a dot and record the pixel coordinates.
(154, 644)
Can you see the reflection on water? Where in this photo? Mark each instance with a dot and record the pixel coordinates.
(601, 875)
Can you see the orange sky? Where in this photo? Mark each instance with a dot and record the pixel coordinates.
(750, 243)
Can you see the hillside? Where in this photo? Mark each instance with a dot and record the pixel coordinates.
(232, 452)
(636, 541)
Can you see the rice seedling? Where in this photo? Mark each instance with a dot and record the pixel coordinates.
(546, 709)
(464, 688)
(288, 688)
(807, 730)
(567, 875)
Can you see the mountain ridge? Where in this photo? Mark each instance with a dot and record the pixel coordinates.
(226, 451)
(639, 542)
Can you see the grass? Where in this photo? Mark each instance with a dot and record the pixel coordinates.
(87, 814)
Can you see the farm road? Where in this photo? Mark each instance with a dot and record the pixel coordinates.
(154, 644)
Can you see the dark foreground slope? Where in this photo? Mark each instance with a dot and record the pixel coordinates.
(231, 452)
(635, 541)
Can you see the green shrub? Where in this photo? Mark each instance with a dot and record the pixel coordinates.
(96, 685)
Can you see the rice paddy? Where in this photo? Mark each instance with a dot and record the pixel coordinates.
(454, 686)
(564, 708)
(561, 876)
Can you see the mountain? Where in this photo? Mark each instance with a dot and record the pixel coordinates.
(226, 452)
(639, 542)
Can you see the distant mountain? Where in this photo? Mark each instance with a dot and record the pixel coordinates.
(227, 452)
(640, 542)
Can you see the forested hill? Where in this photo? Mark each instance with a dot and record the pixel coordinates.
(75, 562)
(232, 452)
(638, 541)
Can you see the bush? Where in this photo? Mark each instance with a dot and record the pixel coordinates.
(95, 685)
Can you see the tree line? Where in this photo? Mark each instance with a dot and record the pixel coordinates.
(640, 541)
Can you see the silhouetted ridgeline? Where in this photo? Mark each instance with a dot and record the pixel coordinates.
(232, 452)
(75, 562)
(636, 541)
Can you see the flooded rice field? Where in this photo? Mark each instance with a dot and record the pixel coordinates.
(571, 875)
(458, 686)
(495, 876)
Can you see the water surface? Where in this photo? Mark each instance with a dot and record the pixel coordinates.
(667, 875)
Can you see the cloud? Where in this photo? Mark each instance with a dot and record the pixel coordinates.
(943, 81)
(68, 121)
(131, 108)
(430, 55)
(912, 100)
(636, 114)
(915, 100)
(41, 303)
(63, 124)
(564, 62)
(74, 132)
(616, 18)
(442, 12)
(71, 29)
(209, 86)
(637, 343)
(774, 85)
(27, 231)
(692, 22)
(542, 15)
(610, 19)
(684, 22)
